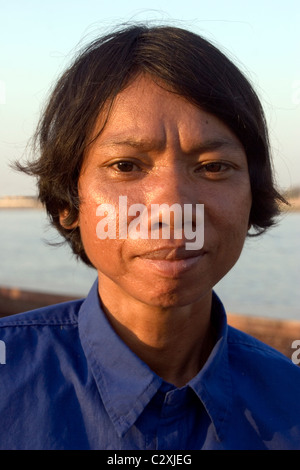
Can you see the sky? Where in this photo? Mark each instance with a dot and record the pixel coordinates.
(38, 40)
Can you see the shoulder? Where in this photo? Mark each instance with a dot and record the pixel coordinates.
(265, 390)
(31, 335)
(58, 314)
(239, 341)
(41, 364)
(256, 365)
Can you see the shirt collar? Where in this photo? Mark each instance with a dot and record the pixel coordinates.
(126, 384)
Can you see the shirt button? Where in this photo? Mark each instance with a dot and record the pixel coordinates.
(174, 401)
(173, 398)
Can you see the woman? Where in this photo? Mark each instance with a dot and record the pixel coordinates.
(156, 117)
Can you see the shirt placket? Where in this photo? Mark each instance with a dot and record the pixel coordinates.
(171, 431)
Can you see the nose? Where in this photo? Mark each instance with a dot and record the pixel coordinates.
(171, 185)
(172, 203)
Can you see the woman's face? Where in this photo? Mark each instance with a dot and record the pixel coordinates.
(158, 148)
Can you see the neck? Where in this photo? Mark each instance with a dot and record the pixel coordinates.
(174, 342)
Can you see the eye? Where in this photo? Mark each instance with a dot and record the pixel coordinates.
(125, 166)
(214, 167)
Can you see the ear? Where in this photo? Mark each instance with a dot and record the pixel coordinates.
(63, 216)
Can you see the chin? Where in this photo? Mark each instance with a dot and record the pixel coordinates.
(174, 298)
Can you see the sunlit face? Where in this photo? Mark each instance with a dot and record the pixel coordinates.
(159, 148)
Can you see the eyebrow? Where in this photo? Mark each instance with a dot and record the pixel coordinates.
(140, 144)
(144, 144)
(216, 144)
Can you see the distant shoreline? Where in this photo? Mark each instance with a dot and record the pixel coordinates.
(32, 202)
(20, 202)
(294, 205)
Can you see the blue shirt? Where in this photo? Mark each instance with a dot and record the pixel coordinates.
(69, 382)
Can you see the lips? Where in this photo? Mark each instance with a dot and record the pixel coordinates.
(171, 263)
(172, 254)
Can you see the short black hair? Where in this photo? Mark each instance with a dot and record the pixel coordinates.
(187, 64)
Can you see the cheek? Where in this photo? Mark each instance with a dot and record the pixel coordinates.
(94, 247)
(227, 218)
(106, 255)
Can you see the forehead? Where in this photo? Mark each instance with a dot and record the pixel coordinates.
(145, 112)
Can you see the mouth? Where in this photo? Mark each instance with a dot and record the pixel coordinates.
(171, 261)
(172, 253)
